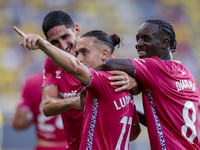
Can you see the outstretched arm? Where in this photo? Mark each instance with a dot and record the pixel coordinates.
(64, 60)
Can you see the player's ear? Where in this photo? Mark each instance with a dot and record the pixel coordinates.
(165, 43)
(77, 30)
(104, 54)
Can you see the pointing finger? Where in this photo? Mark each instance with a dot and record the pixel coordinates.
(22, 34)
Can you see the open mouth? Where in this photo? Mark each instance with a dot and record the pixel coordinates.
(69, 47)
(142, 54)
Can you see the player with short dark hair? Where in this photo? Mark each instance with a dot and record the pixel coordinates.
(55, 18)
(61, 90)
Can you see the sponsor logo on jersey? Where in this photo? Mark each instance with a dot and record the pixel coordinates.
(67, 95)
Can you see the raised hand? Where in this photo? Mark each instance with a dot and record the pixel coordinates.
(124, 81)
(30, 41)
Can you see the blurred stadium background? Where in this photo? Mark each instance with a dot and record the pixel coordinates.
(113, 16)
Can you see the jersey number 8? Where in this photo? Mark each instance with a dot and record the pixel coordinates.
(188, 122)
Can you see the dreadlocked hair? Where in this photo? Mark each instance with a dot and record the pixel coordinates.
(167, 30)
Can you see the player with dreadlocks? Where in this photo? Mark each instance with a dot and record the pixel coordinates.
(170, 94)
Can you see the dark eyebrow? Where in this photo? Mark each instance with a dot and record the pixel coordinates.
(82, 49)
(53, 41)
(65, 35)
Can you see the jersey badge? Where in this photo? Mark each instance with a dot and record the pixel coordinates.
(58, 74)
